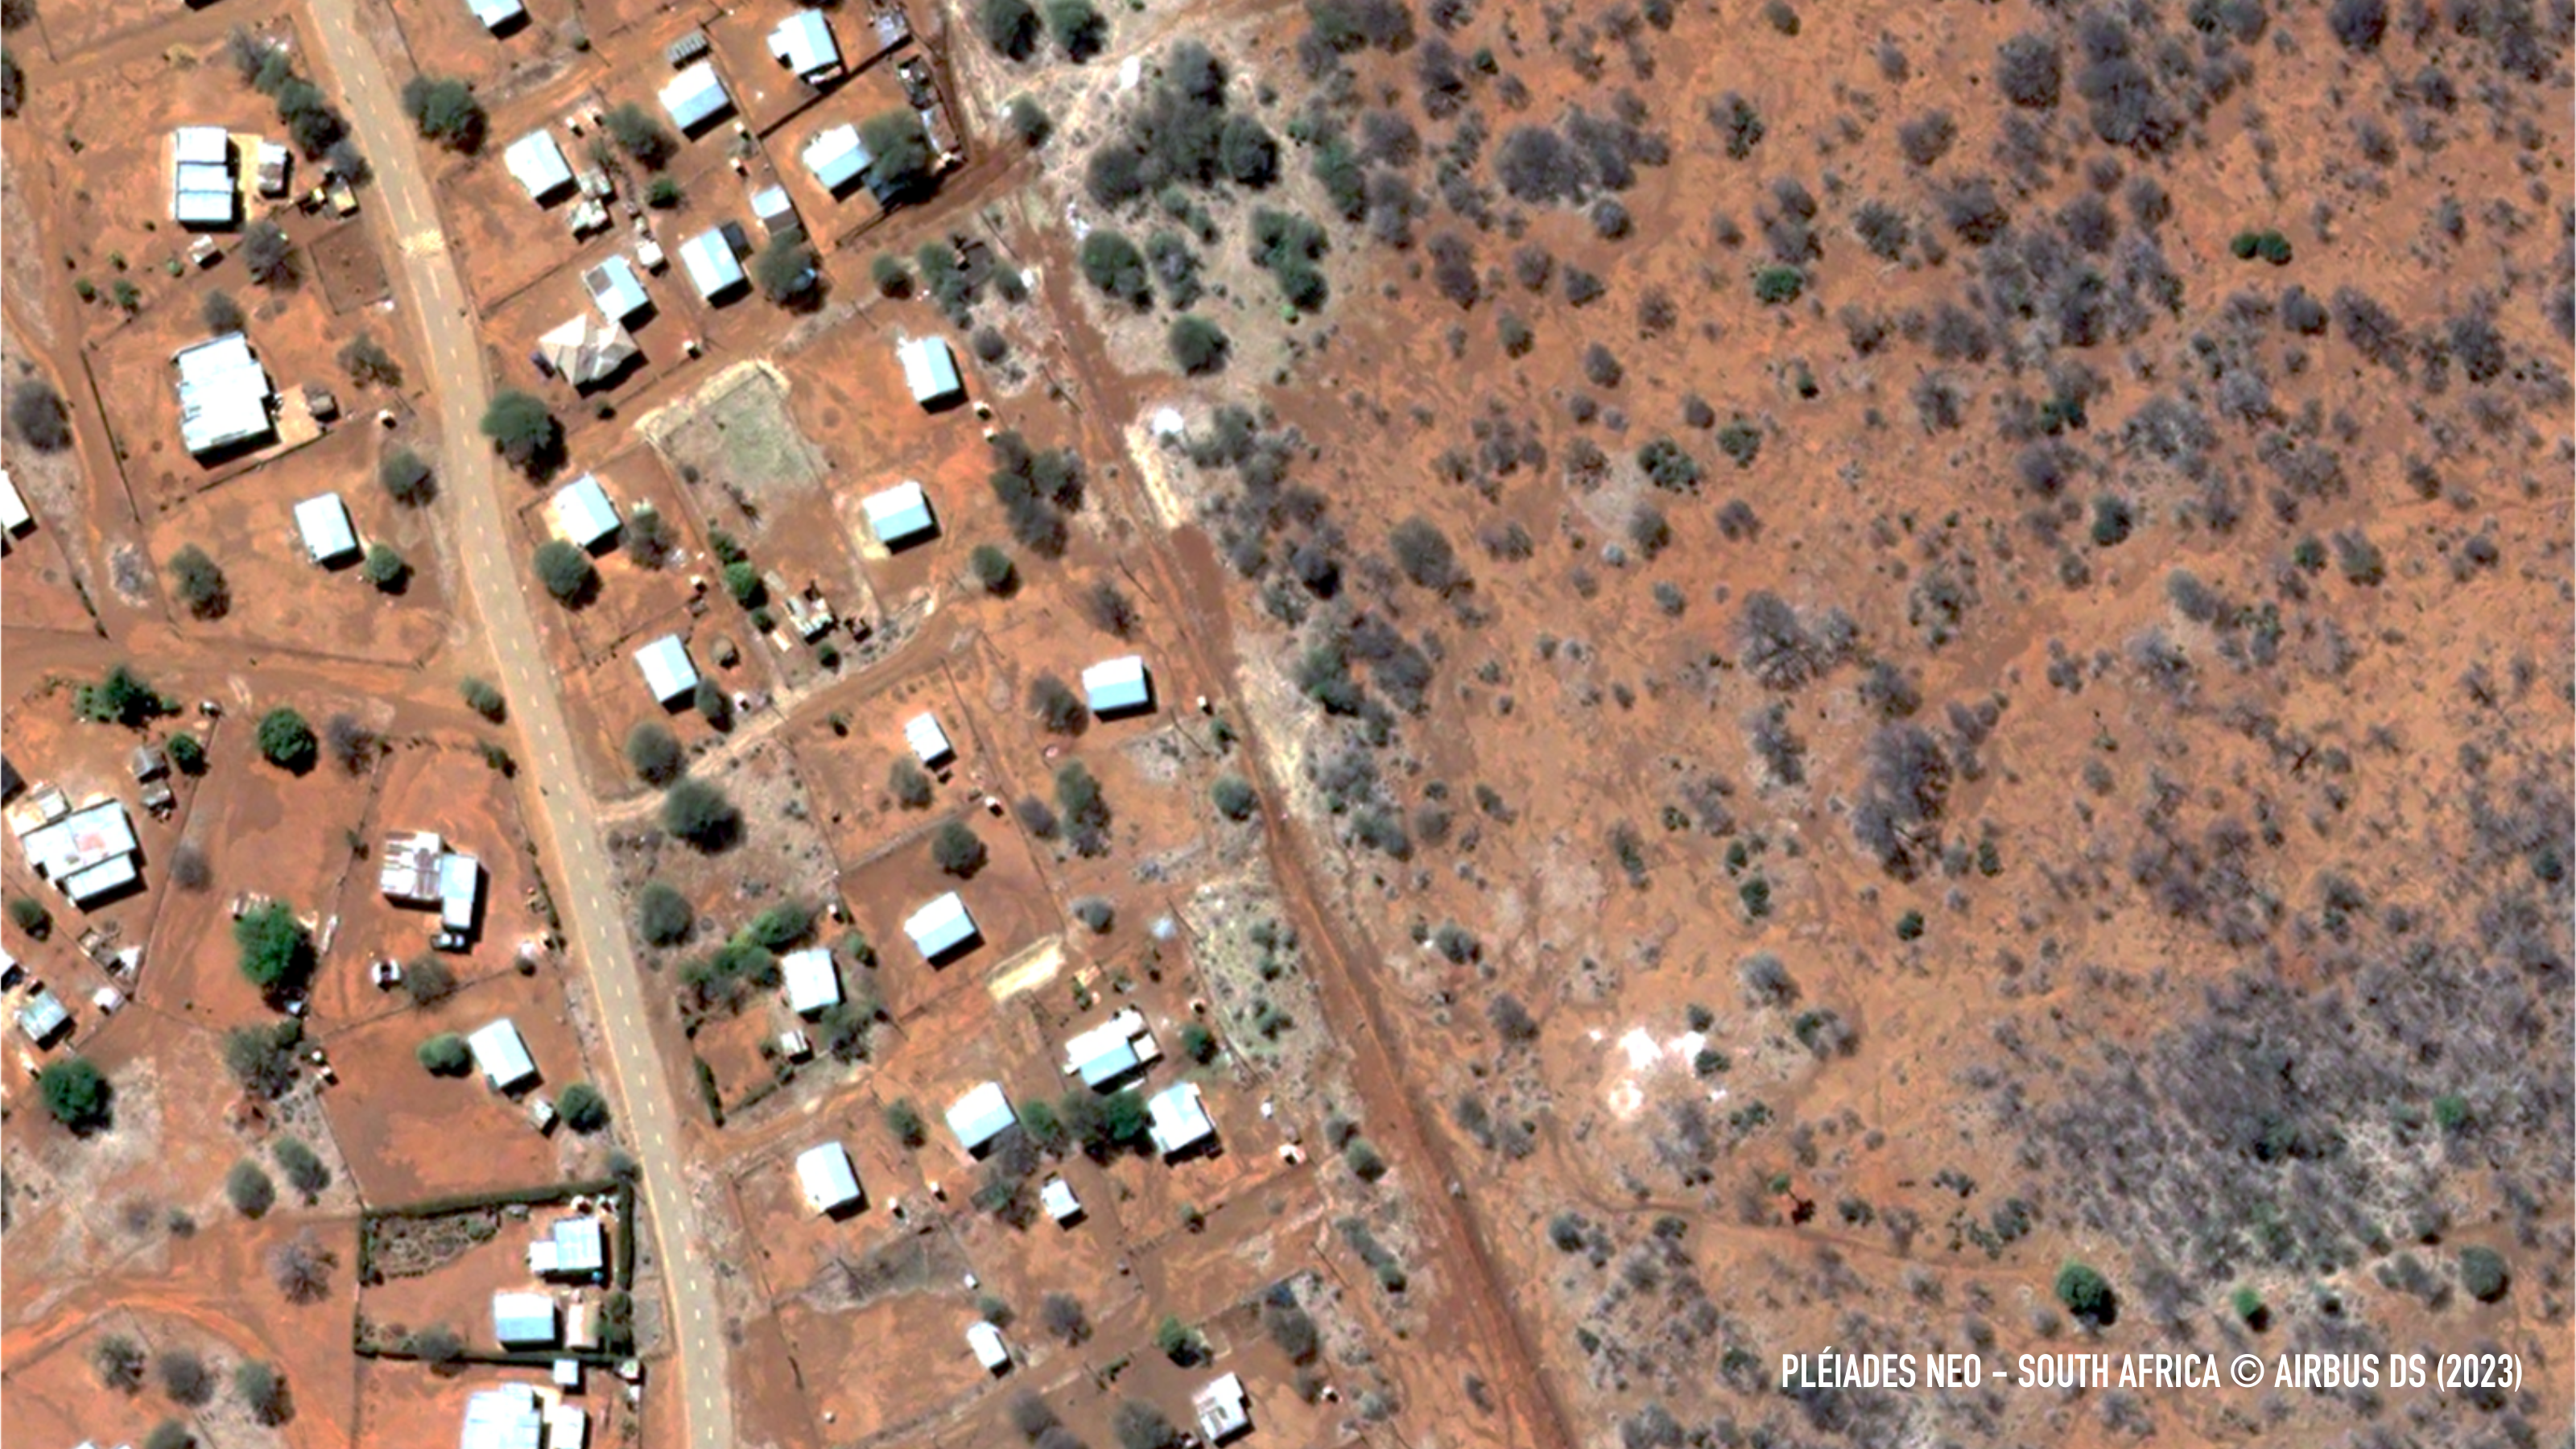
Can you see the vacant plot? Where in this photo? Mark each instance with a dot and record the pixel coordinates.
(736, 431)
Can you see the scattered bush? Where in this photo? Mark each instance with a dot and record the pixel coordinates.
(789, 273)
(446, 112)
(199, 583)
(901, 150)
(584, 1108)
(1030, 122)
(654, 753)
(1010, 27)
(640, 136)
(2482, 1274)
(2030, 70)
(2087, 1295)
(956, 850)
(1235, 798)
(444, 1055)
(267, 255)
(184, 1377)
(1198, 346)
(406, 478)
(37, 414)
(699, 813)
(904, 1120)
(565, 571)
(119, 1363)
(303, 1166)
(262, 1391)
(1080, 30)
(1058, 707)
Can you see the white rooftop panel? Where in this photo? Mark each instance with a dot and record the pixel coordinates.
(667, 670)
(1178, 1120)
(930, 369)
(695, 96)
(940, 927)
(1115, 685)
(712, 266)
(583, 512)
(981, 1115)
(539, 164)
(502, 1056)
(329, 537)
(803, 43)
(825, 1174)
(812, 984)
(929, 742)
(900, 514)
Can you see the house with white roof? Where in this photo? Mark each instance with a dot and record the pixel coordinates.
(980, 1116)
(502, 1056)
(460, 890)
(498, 16)
(812, 984)
(930, 369)
(524, 1320)
(1117, 686)
(990, 1351)
(507, 1417)
(774, 210)
(407, 867)
(803, 43)
(695, 97)
(43, 1017)
(539, 165)
(14, 517)
(330, 539)
(667, 670)
(585, 350)
(831, 1185)
(900, 515)
(615, 289)
(88, 853)
(1221, 1409)
(929, 742)
(837, 157)
(1110, 1051)
(1178, 1120)
(583, 516)
(1057, 1198)
(711, 264)
(940, 928)
(224, 395)
(571, 1247)
(202, 189)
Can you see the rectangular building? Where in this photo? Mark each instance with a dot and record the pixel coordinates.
(900, 515)
(583, 515)
(1117, 686)
(803, 43)
(667, 670)
(831, 1185)
(224, 395)
(502, 1056)
(940, 928)
(980, 1116)
(330, 539)
(539, 165)
(711, 264)
(930, 369)
(695, 97)
(812, 984)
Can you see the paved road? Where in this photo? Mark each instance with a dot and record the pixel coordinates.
(468, 479)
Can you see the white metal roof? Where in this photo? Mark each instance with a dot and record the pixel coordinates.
(42, 1016)
(585, 349)
(567, 1425)
(79, 841)
(108, 876)
(1179, 1121)
(14, 516)
(502, 1055)
(208, 145)
(407, 866)
(899, 514)
(812, 984)
(615, 289)
(503, 1418)
(494, 14)
(583, 513)
(695, 96)
(940, 927)
(981, 1115)
(713, 267)
(1103, 1054)
(803, 43)
(1117, 684)
(460, 885)
(1058, 1200)
(667, 670)
(931, 369)
(329, 537)
(223, 393)
(539, 164)
(574, 1247)
(774, 208)
(829, 1181)
(1220, 1408)
(523, 1318)
(929, 742)
(837, 157)
(986, 1341)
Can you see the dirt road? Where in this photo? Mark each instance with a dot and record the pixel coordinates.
(589, 904)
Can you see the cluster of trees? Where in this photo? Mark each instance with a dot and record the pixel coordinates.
(445, 111)
(1037, 489)
(319, 130)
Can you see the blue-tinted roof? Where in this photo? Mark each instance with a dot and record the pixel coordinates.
(837, 158)
(695, 96)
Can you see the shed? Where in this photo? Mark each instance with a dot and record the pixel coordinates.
(803, 43)
(524, 1320)
(812, 984)
(506, 1417)
(774, 210)
(583, 514)
(567, 1425)
(1118, 686)
(667, 670)
(837, 157)
(990, 1351)
(14, 517)
(1220, 1408)
(540, 166)
(329, 538)
(929, 742)
(276, 163)
(460, 890)
(407, 867)
(147, 761)
(1056, 1196)
(695, 96)
(980, 1116)
(224, 394)
(502, 1056)
(567, 1375)
(1179, 1121)
(42, 1017)
(831, 1185)
(615, 289)
(712, 266)
(497, 15)
(940, 928)
(931, 370)
(900, 515)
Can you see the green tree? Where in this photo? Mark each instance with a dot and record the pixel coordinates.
(699, 813)
(1198, 1043)
(2087, 1294)
(1778, 286)
(276, 951)
(1030, 122)
(992, 569)
(1198, 346)
(584, 1108)
(1235, 798)
(445, 110)
(303, 1166)
(789, 273)
(77, 1093)
(286, 741)
(1080, 30)
(904, 1120)
(1113, 264)
(640, 135)
(1176, 1341)
(121, 697)
(169, 1434)
(119, 1363)
(220, 312)
(957, 850)
(527, 435)
(662, 914)
(28, 914)
(262, 1390)
(444, 1055)
(484, 698)
(249, 1189)
(385, 568)
(901, 150)
(406, 478)
(1010, 27)
(199, 582)
(2482, 1274)
(742, 580)
(654, 753)
(565, 571)
(263, 1059)
(187, 754)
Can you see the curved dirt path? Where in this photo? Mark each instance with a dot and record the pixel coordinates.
(454, 357)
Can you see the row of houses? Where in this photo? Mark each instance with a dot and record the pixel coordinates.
(206, 180)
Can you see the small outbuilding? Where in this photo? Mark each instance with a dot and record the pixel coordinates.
(990, 1351)
(42, 1016)
(980, 1116)
(14, 517)
(498, 15)
(276, 165)
(583, 515)
(407, 867)
(941, 928)
(539, 165)
(1118, 686)
(1221, 1409)
(831, 1185)
(803, 43)
(667, 670)
(330, 539)
(502, 1056)
(900, 516)
(711, 264)
(930, 369)
(1110, 1051)
(1057, 1198)
(1178, 1119)
(524, 1320)
(929, 742)
(615, 289)
(695, 97)
(812, 983)
(460, 891)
